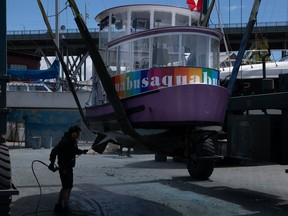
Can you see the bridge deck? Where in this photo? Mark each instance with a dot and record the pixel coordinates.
(30, 41)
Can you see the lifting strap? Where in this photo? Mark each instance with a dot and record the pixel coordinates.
(121, 116)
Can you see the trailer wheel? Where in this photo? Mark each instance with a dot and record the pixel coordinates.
(202, 168)
(5, 179)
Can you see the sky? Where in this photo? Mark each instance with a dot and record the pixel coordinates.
(25, 14)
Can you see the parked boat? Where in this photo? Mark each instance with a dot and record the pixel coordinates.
(259, 78)
(51, 73)
(165, 71)
(36, 112)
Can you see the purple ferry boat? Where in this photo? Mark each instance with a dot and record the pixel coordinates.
(164, 69)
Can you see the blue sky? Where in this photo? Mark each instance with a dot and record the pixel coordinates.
(25, 14)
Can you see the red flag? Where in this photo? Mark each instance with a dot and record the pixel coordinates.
(198, 4)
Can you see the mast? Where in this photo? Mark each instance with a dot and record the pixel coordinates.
(208, 12)
(57, 23)
(244, 42)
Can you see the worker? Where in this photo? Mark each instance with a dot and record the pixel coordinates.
(65, 151)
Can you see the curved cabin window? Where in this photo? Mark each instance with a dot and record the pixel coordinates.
(140, 54)
(124, 58)
(196, 50)
(214, 54)
(112, 61)
(165, 51)
(162, 19)
(170, 50)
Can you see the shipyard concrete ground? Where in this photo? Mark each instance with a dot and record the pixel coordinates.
(112, 185)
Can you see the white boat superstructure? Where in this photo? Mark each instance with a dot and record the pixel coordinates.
(251, 71)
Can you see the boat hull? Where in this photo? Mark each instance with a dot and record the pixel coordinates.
(186, 105)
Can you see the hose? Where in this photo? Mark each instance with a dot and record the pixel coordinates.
(40, 188)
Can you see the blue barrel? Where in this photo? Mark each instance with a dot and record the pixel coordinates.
(46, 142)
(35, 142)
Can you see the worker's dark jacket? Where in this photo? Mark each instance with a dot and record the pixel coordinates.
(66, 150)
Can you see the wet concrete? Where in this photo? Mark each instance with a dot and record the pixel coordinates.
(112, 185)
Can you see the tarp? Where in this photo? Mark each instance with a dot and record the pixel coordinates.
(50, 73)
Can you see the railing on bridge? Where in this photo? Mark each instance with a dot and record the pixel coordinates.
(257, 24)
(263, 27)
(67, 31)
(43, 34)
(233, 28)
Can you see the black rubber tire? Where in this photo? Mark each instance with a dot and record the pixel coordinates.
(5, 180)
(202, 168)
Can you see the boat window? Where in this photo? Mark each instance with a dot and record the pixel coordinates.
(37, 88)
(27, 87)
(112, 61)
(214, 54)
(162, 19)
(141, 54)
(17, 87)
(140, 21)
(124, 58)
(165, 51)
(193, 50)
(181, 20)
(118, 25)
(196, 49)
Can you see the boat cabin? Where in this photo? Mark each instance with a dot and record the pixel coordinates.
(145, 36)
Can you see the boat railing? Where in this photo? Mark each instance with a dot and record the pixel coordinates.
(28, 87)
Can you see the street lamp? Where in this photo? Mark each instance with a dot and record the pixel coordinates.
(23, 27)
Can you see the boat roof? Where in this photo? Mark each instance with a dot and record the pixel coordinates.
(146, 7)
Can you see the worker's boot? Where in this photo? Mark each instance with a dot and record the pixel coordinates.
(66, 211)
(58, 209)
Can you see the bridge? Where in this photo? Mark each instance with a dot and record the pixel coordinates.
(275, 32)
(35, 41)
(39, 41)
